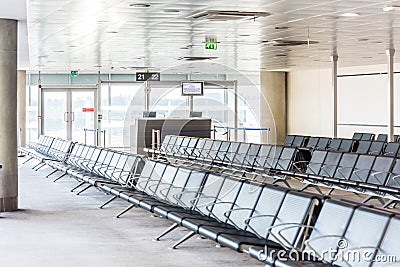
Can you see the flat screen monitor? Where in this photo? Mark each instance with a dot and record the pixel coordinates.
(149, 114)
(196, 114)
(192, 88)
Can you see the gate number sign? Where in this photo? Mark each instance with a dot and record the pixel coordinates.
(147, 76)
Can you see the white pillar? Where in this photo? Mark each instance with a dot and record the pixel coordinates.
(390, 52)
(334, 60)
(8, 115)
(21, 98)
(273, 106)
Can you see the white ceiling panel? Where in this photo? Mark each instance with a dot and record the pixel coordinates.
(113, 34)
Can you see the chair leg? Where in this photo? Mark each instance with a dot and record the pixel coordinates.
(331, 191)
(50, 174)
(41, 166)
(170, 229)
(305, 187)
(184, 239)
(34, 167)
(125, 211)
(76, 187)
(83, 190)
(58, 178)
(313, 186)
(390, 202)
(281, 181)
(108, 202)
(27, 160)
(366, 200)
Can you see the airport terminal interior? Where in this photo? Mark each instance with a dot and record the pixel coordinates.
(197, 132)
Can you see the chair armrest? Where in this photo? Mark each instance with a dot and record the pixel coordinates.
(307, 242)
(358, 176)
(208, 208)
(343, 168)
(248, 222)
(374, 175)
(279, 236)
(298, 162)
(229, 212)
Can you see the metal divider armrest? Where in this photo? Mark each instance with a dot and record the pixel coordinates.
(248, 221)
(396, 179)
(183, 205)
(298, 162)
(343, 168)
(376, 178)
(229, 212)
(280, 237)
(358, 176)
(208, 208)
(307, 242)
(356, 249)
(148, 180)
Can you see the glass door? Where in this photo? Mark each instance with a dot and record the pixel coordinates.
(83, 116)
(55, 114)
(66, 113)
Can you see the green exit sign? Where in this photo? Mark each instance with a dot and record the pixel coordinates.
(74, 74)
(211, 42)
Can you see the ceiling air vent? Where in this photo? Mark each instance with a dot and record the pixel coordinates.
(196, 58)
(219, 15)
(289, 42)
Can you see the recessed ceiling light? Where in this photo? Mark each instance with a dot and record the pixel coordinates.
(59, 51)
(171, 10)
(141, 5)
(350, 14)
(363, 39)
(281, 28)
(113, 32)
(391, 8)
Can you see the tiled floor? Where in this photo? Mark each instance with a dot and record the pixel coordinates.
(57, 228)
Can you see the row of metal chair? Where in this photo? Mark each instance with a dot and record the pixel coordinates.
(261, 219)
(237, 212)
(87, 164)
(263, 159)
(374, 175)
(315, 142)
(371, 137)
(49, 148)
(343, 234)
(362, 146)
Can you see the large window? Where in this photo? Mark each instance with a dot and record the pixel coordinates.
(121, 102)
(116, 100)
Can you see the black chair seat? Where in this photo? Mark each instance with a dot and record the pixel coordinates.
(236, 241)
(213, 231)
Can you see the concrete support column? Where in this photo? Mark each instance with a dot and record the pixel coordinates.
(334, 60)
(390, 53)
(273, 106)
(21, 98)
(8, 115)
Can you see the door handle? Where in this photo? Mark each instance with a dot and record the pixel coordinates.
(66, 116)
(72, 116)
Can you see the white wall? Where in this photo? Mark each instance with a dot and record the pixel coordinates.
(361, 99)
(309, 101)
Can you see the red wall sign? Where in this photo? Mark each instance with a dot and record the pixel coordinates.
(87, 109)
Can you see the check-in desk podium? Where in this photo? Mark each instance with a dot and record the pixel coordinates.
(141, 130)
